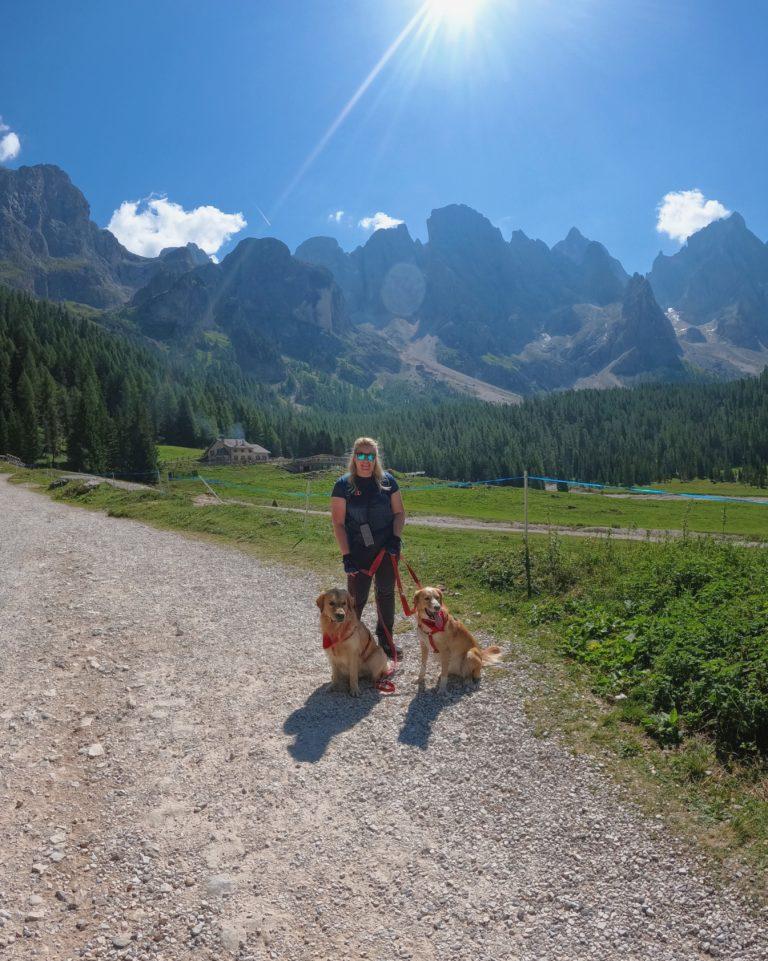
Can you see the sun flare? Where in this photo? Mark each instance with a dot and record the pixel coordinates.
(456, 14)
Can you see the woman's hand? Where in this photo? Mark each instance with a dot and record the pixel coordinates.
(349, 566)
(394, 545)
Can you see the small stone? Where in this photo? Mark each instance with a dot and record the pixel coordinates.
(38, 869)
(93, 750)
(121, 940)
(34, 915)
(219, 884)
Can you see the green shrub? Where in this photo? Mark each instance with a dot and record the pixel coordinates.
(682, 631)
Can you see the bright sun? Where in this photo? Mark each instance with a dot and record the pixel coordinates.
(454, 13)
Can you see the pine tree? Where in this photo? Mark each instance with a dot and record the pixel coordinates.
(29, 441)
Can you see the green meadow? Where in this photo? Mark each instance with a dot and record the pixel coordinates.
(425, 497)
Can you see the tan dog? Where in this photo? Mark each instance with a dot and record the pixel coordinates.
(350, 646)
(447, 637)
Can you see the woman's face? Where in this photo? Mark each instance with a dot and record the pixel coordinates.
(364, 467)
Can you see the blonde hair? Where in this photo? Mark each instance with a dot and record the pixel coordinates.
(378, 468)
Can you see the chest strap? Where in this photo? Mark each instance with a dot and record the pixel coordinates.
(433, 625)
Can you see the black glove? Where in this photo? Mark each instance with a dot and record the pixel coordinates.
(394, 545)
(349, 566)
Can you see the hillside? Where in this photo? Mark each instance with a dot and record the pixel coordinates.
(70, 389)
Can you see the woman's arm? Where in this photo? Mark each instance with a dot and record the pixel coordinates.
(398, 510)
(338, 516)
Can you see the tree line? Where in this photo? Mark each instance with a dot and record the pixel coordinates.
(73, 393)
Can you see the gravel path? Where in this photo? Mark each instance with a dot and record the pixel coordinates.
(177, 783)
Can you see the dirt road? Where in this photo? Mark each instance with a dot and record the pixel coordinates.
(177, 783)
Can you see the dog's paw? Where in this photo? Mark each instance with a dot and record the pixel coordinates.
(354, 692)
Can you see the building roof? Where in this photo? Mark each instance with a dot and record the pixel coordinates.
(236, 442)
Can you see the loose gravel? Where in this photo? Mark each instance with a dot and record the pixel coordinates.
(178, 783)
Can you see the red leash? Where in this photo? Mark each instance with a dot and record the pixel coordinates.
(387, 686)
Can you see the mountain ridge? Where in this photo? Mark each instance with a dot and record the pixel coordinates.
(515, 314)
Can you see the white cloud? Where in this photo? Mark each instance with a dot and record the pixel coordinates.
(10, 145)
(146, 226)
(379, 221)
(336, 217)
(683, 212)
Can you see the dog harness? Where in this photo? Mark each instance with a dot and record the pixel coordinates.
(370, 644)
(433, 625)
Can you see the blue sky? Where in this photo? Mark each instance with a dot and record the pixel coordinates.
(542, 116)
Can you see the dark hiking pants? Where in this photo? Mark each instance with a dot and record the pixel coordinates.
(359, 587)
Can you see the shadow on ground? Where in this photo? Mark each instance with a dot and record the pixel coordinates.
(325, 714)
(424, 710)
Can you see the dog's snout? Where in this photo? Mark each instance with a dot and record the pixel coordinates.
(339, 614)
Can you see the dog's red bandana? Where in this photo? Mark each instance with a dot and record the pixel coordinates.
(344, 633)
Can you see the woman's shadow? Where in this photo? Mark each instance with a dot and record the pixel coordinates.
(325, 714)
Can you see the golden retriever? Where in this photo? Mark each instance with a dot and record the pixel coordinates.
(447, 637)
(350, 646)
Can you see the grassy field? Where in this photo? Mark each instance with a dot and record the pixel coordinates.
(595, 684)
(263, 483)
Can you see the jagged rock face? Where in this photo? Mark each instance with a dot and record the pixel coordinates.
(476, 301)
(693, 336)
(744, 324)
(720, 276)
(326, 252)
(266, 302)
(50, 247)
(476, 292)
(645, 341)
(597, 278)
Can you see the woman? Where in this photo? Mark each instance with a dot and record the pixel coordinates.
(368, 515)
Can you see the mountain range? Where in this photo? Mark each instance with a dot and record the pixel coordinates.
(493, 317)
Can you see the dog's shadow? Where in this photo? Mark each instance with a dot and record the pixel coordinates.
(424, 710)
(325, 714)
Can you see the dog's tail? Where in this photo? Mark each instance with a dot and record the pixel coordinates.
(480, 656)
(490, 655)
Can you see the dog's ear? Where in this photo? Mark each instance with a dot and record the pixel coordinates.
(440, 588)
(417, 596)
(320, 600)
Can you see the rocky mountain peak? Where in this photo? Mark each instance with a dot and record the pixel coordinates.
(188, 256)
(458, 227)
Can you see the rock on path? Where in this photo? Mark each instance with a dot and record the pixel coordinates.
(176, 783)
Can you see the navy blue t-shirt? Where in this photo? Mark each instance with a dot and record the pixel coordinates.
(367, 503)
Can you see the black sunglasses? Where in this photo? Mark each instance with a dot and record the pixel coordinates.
(361, 456)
